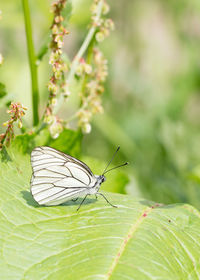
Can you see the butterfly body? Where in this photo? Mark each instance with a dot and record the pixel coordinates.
(99, 180)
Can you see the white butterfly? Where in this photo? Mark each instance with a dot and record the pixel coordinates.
(58, 177)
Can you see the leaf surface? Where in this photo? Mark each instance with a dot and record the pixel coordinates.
(137, 240)
(3, 91)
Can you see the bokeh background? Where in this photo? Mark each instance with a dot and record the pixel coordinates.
(152, 94)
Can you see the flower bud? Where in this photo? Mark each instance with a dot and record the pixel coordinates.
(58, 74)
(20, 124)
(49, 119)
(22, 113)
(105, 32)
(55, 129)
(55, 29)
(109, 24)
(93, 8)
(52, 87)
(96, 21)
(53, 101)
(24, 108)
(86, 128)
(99, 36)
(5, 123)
(2, 136)
(58, 19)
(105, 8)
(79, 70)
(87, 68)
(54, 56)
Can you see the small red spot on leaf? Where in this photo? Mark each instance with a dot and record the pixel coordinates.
(144, 215)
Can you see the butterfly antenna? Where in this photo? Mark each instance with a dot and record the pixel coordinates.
(105, 170)
(116, 167)
(111, 160)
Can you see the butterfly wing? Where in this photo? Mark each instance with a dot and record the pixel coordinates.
(58, 177)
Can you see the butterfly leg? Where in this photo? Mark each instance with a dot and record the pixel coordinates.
(82, 202)
(75, 199)
(107, 200)
(96, 196)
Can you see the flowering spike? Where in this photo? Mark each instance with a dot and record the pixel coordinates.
(16, 112)
(57, 80)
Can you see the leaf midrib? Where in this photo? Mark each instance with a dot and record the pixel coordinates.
(126, 240)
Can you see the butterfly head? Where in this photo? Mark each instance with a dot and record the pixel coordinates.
(100, 179)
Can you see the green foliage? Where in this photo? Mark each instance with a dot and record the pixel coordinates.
(68, 142)
(3, 91)
(154, 100)
(151, 104)
(139, 239)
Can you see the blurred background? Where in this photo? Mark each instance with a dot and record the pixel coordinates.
(152, 94)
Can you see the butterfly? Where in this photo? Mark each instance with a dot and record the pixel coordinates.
(58, 177)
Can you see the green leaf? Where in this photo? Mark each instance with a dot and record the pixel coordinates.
(137, 240)
(44, 48)
(194, 175)
(3, 91)
(69, 141)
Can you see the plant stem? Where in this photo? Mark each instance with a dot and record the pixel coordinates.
(32, 61)
(79, 54)
(84, 46)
